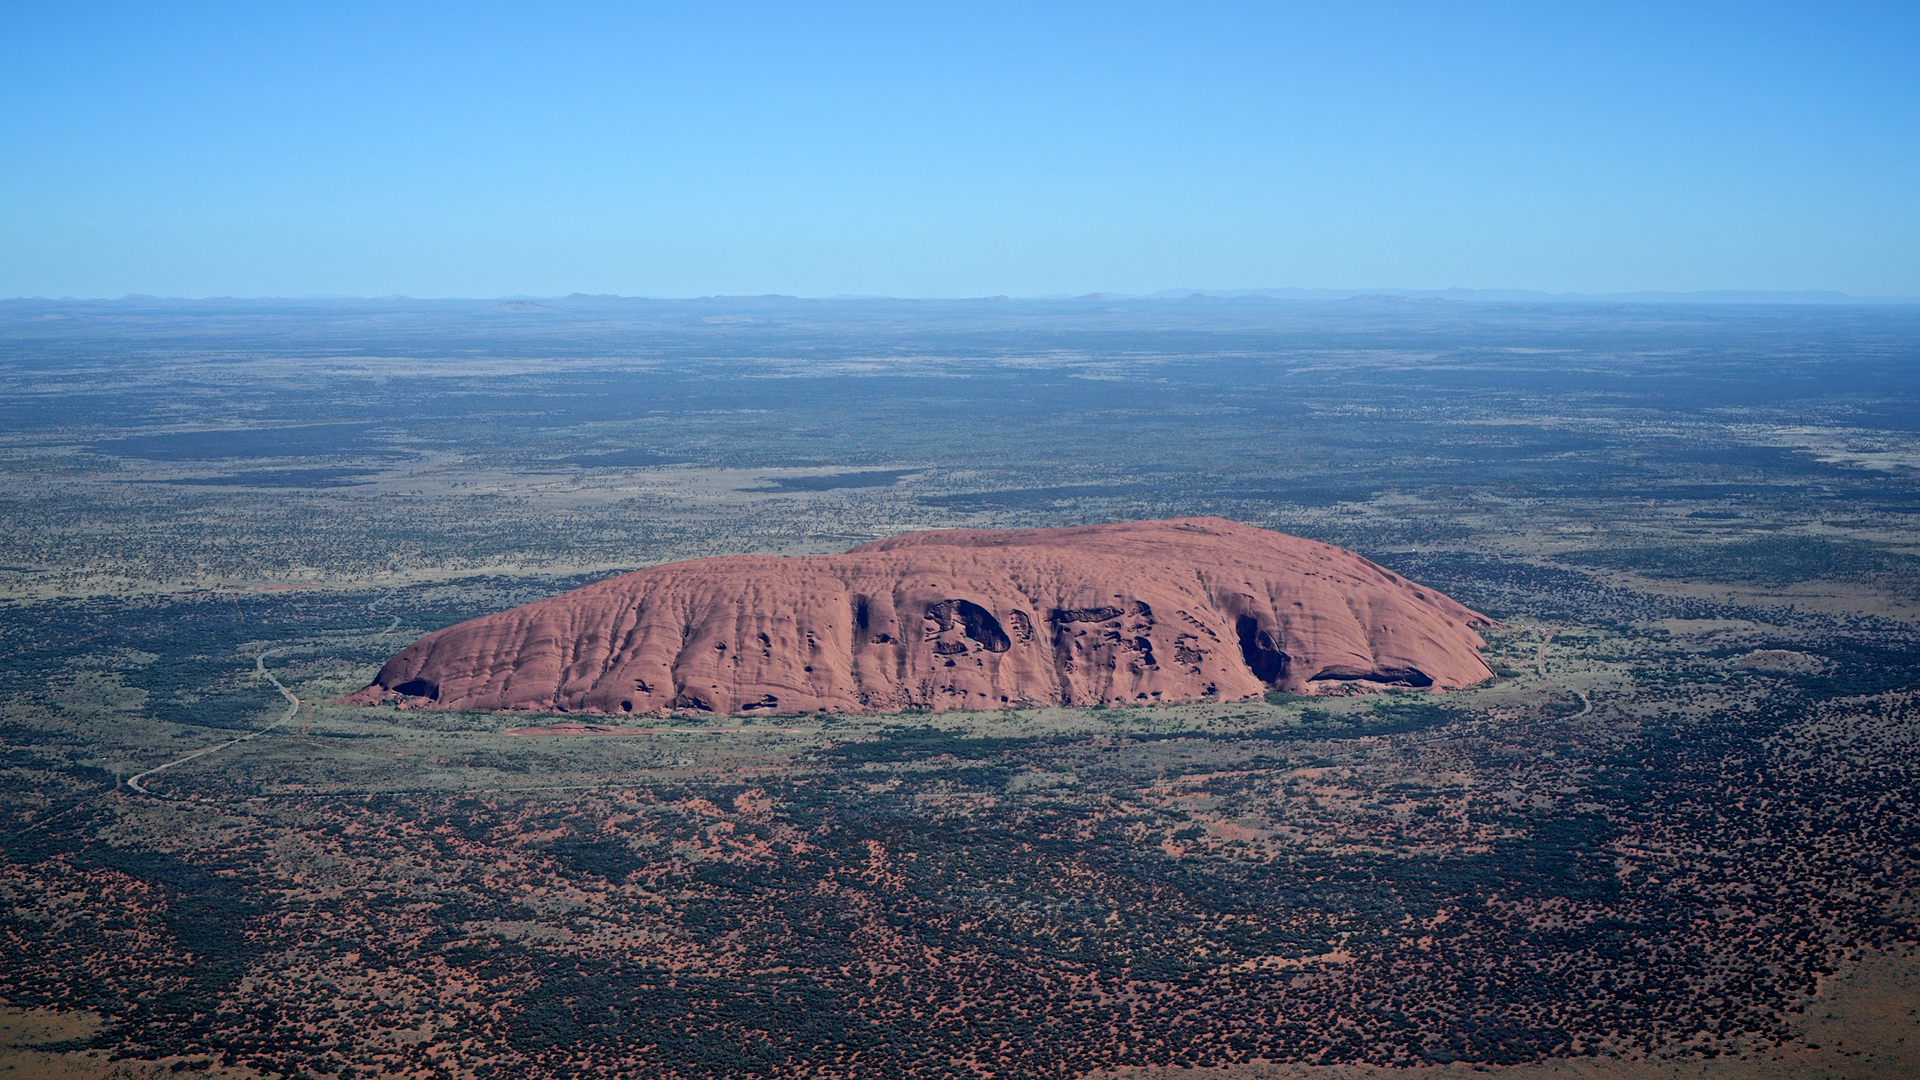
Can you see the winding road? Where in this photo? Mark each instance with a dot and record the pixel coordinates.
(293, 703)
(293, 709)
(392, 591)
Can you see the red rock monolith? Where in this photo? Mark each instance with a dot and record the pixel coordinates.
(1148, 612)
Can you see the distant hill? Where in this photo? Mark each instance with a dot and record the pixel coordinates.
(1532, 296)
(522, 307)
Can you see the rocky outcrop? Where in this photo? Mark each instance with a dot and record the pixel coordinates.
(1136, 613)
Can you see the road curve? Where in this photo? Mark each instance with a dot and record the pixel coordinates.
(293, 709)
(392, 591)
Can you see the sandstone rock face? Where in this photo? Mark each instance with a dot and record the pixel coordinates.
(1147, 612)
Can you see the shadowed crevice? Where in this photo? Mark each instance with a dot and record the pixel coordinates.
(1262, 656)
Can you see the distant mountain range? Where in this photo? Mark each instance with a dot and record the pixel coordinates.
(532, 305)
(1533, 296)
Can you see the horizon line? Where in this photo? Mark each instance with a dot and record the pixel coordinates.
(1468, 295)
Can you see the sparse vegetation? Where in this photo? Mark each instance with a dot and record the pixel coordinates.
(1633, 848)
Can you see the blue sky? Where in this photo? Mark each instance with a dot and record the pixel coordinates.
(930, 150)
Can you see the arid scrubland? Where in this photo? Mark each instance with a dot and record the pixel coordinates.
(1676, 835)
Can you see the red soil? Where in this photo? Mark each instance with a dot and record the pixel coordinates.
(1143, 612)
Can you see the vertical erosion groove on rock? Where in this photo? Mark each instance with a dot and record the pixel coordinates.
(947, 620)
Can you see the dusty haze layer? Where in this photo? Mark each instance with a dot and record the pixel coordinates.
(1142, 612)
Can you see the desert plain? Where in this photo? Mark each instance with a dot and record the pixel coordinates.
(1673, 833)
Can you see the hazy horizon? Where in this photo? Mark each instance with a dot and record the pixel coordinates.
(1306, 293)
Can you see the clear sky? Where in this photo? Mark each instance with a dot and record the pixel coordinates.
(919, 149)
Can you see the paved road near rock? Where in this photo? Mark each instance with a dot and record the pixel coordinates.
(293, 709)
